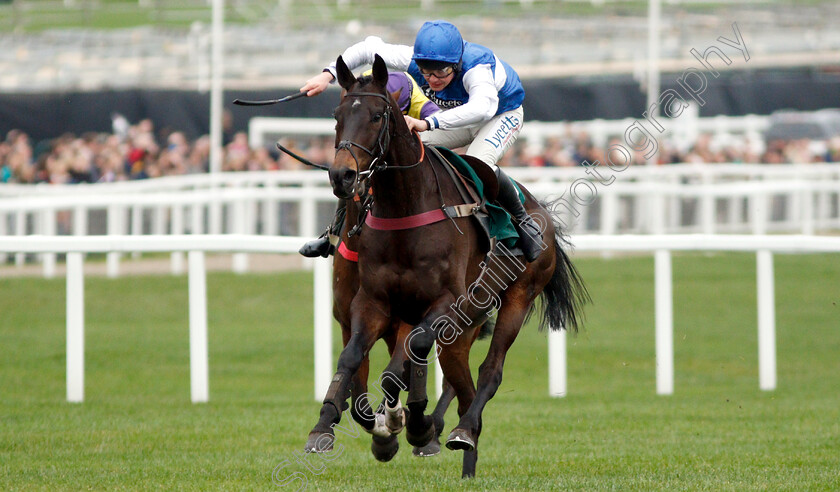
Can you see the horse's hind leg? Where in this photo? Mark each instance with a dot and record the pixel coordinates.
(446, 397)
(511, 316)
(454, 359)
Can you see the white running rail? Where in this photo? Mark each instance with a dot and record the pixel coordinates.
(662, 246)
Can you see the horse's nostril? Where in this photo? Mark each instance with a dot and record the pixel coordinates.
(340, 176)
(343, 181)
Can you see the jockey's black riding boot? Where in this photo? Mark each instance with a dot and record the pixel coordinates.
(324, 246)
(530, 236)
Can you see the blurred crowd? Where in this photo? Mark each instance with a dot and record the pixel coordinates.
(138, 151)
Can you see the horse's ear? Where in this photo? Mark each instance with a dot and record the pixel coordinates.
(346, 79)
(380, 72)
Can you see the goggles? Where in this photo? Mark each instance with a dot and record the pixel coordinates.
(438, 74)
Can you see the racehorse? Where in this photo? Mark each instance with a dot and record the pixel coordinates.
(439, 277)
(388, 420)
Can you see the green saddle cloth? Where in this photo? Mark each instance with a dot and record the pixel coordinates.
(501, 226)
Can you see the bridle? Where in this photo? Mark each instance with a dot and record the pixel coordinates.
(377, 154)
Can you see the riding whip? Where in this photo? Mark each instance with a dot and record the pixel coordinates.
(266, 102)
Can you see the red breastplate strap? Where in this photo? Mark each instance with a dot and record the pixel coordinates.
(409, 222)
(347, 253)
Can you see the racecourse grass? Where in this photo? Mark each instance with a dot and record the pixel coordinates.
(137, 429)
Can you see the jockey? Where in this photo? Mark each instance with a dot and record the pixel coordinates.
(480, 94)
(414, 104)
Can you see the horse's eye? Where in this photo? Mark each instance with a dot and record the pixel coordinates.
(376, 117)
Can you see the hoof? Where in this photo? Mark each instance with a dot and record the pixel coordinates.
(384, 449)
(459, 439)
(431, 449)
(319, 442)
(421, 440)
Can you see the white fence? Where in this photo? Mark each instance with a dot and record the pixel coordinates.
(708, 199)
(662, 246)
(683, 131)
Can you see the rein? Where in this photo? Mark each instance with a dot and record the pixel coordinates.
(302, 159)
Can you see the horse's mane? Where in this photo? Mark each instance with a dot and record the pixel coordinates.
(364, 80)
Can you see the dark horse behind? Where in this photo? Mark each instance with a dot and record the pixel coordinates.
(438, 277)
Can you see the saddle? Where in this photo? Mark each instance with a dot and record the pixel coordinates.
(478, 186)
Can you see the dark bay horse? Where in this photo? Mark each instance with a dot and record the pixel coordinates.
(386, 422)
(438, 277)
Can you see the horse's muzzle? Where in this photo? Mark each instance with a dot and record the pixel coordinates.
(343, 182)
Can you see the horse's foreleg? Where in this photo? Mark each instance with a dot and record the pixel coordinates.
(420, 428)
(390, 418)
(360, 408)
(433, 448)
(365, 331)
(392, 380)
(358, 387)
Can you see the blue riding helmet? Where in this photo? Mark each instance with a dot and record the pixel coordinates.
(438, 41)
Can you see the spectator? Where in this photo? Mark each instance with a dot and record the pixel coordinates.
(135, 154)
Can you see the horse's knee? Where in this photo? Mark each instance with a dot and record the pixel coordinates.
(352, 356)
(392, 380)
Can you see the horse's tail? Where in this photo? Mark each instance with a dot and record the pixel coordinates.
(565, 294)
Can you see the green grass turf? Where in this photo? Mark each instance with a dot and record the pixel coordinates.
(137, 429)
